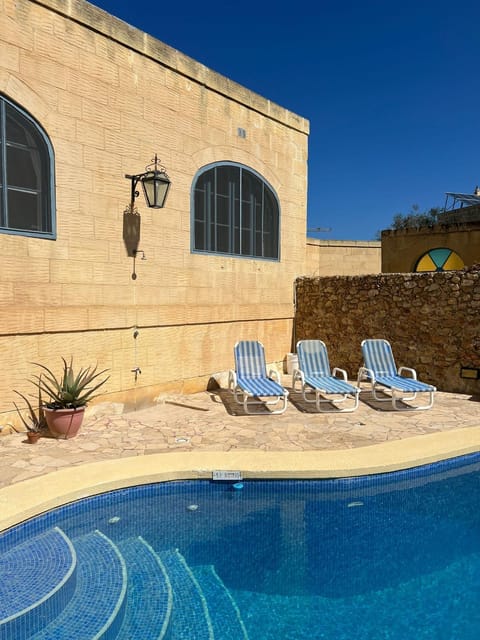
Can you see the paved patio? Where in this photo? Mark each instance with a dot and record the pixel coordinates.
(211, 421)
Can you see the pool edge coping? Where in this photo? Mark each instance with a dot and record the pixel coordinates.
(28, 498)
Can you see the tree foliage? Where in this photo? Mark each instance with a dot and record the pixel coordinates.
(415, 218)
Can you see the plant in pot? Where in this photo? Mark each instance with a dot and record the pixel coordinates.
(68, 395)
(36, 422)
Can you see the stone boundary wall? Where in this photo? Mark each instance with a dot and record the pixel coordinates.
(432, 321)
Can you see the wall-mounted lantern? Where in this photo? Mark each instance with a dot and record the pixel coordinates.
(155, 183)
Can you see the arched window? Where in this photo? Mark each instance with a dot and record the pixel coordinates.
(26, 174)
(439, 260)
(235, 212)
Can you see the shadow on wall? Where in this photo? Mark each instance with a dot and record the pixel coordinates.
(131, 231)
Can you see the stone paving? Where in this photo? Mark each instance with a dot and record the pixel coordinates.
(212, 421)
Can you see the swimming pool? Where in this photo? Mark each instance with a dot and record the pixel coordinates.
(392, 556)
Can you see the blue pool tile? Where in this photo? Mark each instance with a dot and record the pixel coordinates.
(190, 618)
(149, 595)
(97, 607)
(37, 580)
(227, 622)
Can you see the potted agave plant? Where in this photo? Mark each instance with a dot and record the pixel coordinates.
(68, 396)
(35, 422)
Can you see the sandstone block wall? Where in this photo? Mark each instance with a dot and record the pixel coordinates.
(109, 97)
(342, 257)
(432, 321)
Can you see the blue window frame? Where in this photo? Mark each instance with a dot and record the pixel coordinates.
(26, 174)
(235, 212)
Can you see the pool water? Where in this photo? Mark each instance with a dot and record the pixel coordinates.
(393, 556)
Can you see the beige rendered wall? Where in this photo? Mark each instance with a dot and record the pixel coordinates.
(342, 257)
(402, 248)
(110, 97)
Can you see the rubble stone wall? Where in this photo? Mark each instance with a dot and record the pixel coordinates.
(432, 321)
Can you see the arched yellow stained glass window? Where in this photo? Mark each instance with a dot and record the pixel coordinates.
(439, 260)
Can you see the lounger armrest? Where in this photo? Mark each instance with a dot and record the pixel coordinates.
(273, 375)
(298, 376)
(365, 373)
(412, 373)
(342, 372)
(232, 380)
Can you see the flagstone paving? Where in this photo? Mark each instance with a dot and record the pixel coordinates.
(212, 421)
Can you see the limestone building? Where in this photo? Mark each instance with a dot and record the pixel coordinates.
(453, 243)
(85, 100)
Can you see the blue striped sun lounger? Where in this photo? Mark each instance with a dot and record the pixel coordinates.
(380, 371)
(318, 383)
(250, 383)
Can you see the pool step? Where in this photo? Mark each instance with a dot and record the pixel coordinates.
(96, 609)
(226, 620)
(149, 593)
(89, 588)
(37, 580)
(190, 619)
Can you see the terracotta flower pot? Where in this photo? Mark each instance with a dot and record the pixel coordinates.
(33, 437)
(64, 423)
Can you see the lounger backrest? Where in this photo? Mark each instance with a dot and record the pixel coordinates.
(378, 357)
(313, 358)
(250, 359)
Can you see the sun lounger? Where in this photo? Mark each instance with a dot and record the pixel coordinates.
(250, 383)
(398, 386)
(317, 383)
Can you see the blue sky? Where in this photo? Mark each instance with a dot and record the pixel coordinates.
(391, 90)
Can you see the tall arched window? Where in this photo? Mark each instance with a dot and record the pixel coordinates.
(235, 212)
(26, 174)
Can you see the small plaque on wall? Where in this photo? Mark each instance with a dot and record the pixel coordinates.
(227, 475)
(470, 373)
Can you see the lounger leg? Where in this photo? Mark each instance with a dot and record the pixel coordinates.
(419, 408)
(321, 400)
(247, 400)
(306, 390)
(389, 397)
